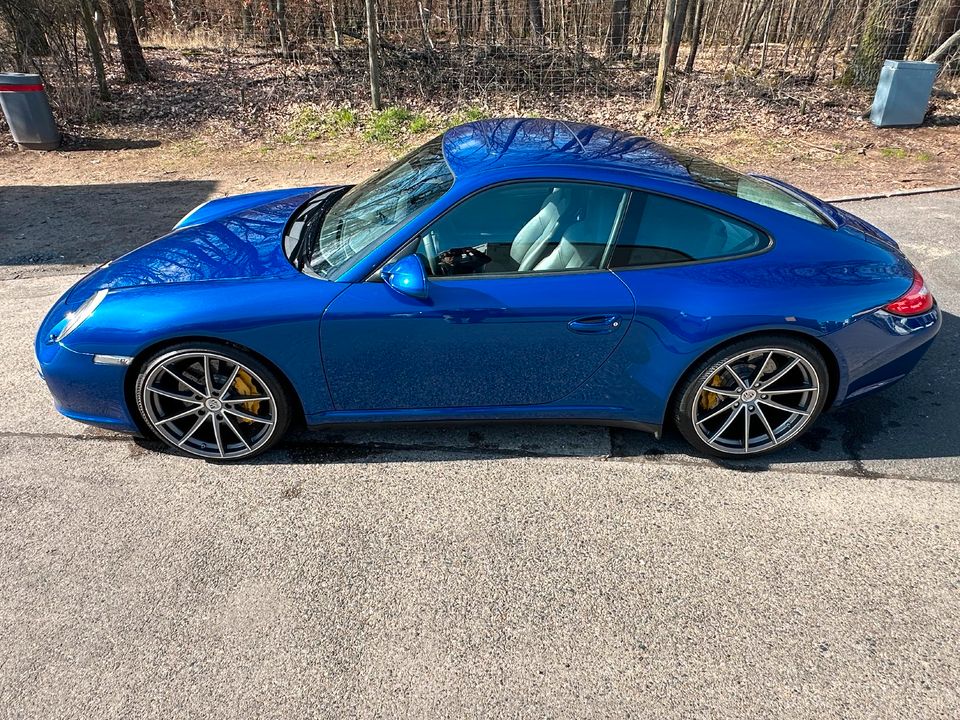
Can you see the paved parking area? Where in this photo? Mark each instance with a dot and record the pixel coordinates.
(487, 571)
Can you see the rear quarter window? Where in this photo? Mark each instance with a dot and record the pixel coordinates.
(661, 230)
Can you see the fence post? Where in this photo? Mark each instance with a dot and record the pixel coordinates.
(373, 48)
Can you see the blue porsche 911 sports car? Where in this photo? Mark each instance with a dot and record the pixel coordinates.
(509, 270)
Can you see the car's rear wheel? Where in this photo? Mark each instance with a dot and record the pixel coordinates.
(212, 401)
(752, 397)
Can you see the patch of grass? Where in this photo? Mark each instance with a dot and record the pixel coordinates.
(470, 114)
(309, 123)
(924, 157)
(391, 126)
(419, 124)
(894, 153)
(672, 130)
(192, 147)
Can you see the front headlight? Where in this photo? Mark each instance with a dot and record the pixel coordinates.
(75, 318)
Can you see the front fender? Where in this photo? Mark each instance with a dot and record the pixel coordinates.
(276, 318)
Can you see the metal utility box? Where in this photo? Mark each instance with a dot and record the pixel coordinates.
(903, 93)
(27, 110)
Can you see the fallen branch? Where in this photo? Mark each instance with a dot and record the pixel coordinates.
(942, 50)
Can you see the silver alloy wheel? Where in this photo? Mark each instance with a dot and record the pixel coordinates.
(756, 400)
(208, 404)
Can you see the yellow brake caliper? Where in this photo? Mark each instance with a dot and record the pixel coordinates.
(709, 400)
(243, 384)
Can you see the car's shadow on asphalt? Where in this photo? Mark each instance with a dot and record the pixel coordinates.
(90, 224)
(913, 419)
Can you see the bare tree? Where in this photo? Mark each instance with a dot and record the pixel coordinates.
(694, 37)
(619, 24)
(887, 25)
(131, 54)
(679, 21)
(535, 8)
(373, 53)
(95, 48)
(660, 87)
(25, 20)
(902, 29)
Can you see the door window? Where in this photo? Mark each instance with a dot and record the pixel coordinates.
(661, 230)
(525, 228)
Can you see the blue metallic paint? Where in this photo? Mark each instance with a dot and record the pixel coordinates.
(407, 276)
(473, 342)
(488, 348)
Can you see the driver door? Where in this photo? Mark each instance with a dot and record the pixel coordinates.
(483, 339)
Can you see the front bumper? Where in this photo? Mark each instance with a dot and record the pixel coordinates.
(83, 390)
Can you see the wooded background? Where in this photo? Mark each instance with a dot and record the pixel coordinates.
(560, 47)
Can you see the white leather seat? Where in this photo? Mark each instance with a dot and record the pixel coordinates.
(576, 249)
(581, 245)
(529, 243)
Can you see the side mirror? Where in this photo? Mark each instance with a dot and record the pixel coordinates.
(406, 276)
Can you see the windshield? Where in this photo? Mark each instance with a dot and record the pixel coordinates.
(376, 207)
(730, 182)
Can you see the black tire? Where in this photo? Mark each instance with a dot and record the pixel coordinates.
(242, 425)
(751, 411)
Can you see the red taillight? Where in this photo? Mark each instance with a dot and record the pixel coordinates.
(914, 301)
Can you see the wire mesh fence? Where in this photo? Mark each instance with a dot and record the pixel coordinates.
(474, 48)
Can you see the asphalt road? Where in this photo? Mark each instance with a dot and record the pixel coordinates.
(488, 571)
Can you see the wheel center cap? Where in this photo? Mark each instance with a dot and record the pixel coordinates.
(213, 404)
(748, 396)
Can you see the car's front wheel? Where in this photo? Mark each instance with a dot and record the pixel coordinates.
(752, 397)
(212, 401)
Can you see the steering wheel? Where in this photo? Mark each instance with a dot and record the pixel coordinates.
(430, 247)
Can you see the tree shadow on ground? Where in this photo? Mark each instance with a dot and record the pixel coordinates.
(90, 224)
(75, 144)
(913, 419)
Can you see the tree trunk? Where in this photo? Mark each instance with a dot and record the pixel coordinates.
(856, 22)
(751, 29)
(280, 13)
(131, 54)
(174, 14)
(904, 17)
(373, 53)
(766, 39)
(644, 26)
(821, 38)
(619, 24)
(536, 18)
(425, 12)
(949, 21)
(140, 16)
(679, 20)
(791, 31)
(96, 50)
(659, 89)
(888, 23)
(694, 37)
(246, 20)
(26, 26)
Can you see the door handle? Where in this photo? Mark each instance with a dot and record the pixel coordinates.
(595, 324)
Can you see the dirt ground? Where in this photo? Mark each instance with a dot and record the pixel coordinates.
(144, 186)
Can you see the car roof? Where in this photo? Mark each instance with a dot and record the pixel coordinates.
(486, 145)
